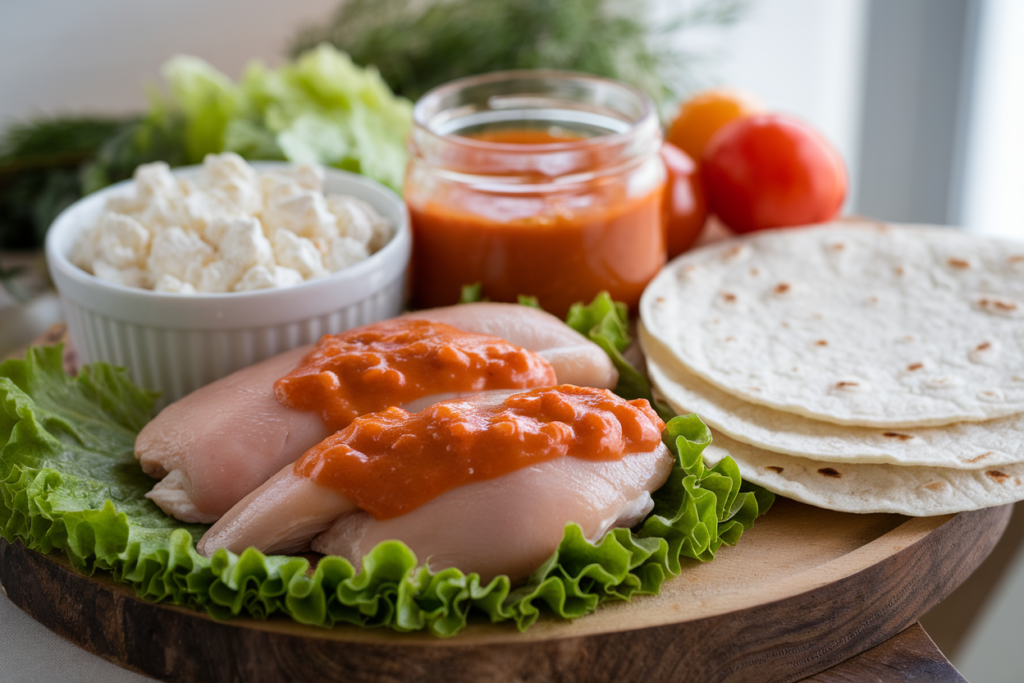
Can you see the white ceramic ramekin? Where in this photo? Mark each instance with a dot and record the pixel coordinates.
(175, 343)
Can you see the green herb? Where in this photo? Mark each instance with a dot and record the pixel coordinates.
(417, 46)
(40, 172)
(69, 482)
(471, 294)
(531, 301)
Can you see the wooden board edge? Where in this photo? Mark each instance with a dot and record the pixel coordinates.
(839, 620)
(908, 657)
(910, 531)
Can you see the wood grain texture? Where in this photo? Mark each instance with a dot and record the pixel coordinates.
(804, 591)
(910, 656)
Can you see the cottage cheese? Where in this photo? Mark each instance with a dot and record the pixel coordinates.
(232, 230)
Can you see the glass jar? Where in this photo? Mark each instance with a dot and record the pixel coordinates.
(539, 183)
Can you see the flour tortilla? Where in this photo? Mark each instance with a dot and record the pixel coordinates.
(857, 324)
(864, 488)
(964, 445)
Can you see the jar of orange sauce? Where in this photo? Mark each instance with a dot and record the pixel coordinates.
(540, 183)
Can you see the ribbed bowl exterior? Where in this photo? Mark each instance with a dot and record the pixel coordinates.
(176, 362)
(174, 344)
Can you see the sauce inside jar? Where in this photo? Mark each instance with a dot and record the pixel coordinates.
(391, 462)
(391, 363)
(535, 194)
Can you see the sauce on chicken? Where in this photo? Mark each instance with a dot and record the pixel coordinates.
(391, 462)
(378, 366)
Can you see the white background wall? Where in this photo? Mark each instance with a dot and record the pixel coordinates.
(60, 56)
(994, 150)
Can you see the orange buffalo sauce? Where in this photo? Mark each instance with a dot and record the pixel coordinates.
(397, 361)
(391, 462)
(539, 218)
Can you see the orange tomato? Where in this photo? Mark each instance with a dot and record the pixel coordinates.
(702, 116)
(684, 206)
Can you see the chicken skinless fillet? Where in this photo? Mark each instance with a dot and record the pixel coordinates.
(226, 439)
(506, 525)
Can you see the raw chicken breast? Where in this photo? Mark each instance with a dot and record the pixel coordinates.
(576, 360)
(512, 524)
(219, 443)
(508, 525)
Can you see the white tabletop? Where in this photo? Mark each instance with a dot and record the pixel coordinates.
(30, 653)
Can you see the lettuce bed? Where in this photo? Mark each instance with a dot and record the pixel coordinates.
(69, 482)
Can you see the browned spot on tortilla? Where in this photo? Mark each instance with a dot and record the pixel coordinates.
(773, 468)
(915, 366)
(660, 299)
(838, 246)
(753, 271)
(898, 271)
(1016, 259)
(817, 316)
(979, 458)
(997, 476)
(909, 337)
(897, 435)
(730, 339)
(873, 299)
(982, 346)
(781, 288)
(999, 305)
(821, 342)
(733, 251)
(843, 385)
(729, 296)
(958, 263)
(689, 268)
(754, 389)
(989, 393)
(785, 324)
(829, 472)
(935, 486)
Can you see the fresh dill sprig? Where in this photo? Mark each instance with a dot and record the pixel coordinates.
(417, 46)
(40, 171)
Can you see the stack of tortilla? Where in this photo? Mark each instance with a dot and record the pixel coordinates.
(860, 367)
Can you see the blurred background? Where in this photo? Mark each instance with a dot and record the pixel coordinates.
(924, 99)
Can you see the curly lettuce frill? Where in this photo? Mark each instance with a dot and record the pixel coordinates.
(606, 323)
(69, 482)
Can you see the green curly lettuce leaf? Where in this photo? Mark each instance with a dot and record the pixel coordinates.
(69, 483)
(320, 108)
(472, 294)
(606, 323)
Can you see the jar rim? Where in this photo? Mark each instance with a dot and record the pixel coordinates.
(428, 107)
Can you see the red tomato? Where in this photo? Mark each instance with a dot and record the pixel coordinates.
(772, 171)
(684, 207)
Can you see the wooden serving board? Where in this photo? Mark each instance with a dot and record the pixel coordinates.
(803, 591)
